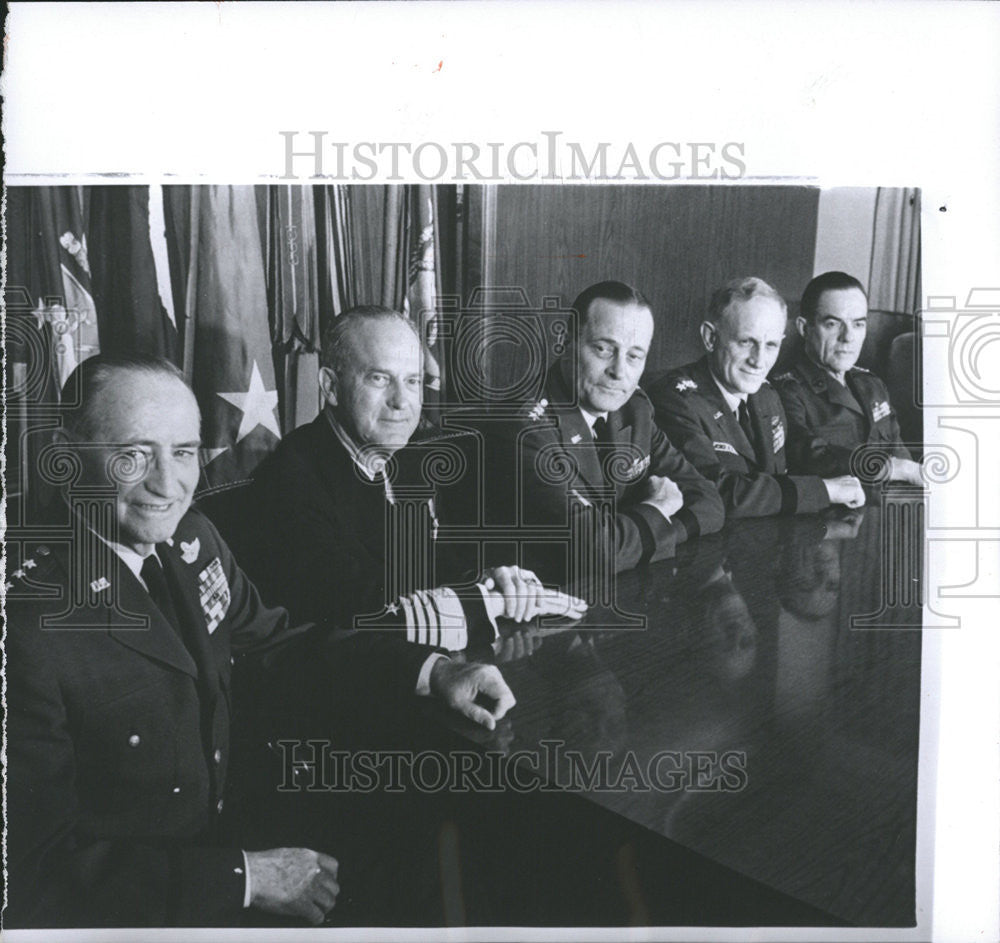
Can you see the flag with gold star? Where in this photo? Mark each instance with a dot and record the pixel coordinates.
(227, 341)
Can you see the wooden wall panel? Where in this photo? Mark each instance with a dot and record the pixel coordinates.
(676, 244)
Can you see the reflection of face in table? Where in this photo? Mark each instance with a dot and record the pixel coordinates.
(786, 742)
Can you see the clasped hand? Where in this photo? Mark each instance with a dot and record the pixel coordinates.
(516, 593)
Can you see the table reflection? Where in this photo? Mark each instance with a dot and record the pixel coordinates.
(750, 719)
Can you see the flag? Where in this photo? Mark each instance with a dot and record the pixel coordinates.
(288, 229)
(227, 342)
(51, 326)
(133, 316)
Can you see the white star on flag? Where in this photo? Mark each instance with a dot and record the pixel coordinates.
(258, 406)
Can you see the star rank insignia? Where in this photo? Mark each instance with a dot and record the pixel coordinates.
(537, 410)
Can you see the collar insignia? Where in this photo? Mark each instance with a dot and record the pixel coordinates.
(537, 410)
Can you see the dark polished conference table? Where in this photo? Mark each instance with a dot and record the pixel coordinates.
(733, 742)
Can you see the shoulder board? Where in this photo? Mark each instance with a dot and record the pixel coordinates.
(785, 377)
(37, 560)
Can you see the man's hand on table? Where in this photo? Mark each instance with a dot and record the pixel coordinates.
(296, 882)
(846, 490)
(516, 593)
(460, 684)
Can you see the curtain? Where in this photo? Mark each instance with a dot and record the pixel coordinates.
(894, 284)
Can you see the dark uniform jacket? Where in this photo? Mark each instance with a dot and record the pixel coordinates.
(119, 732)
(560, 472)
(828, 421)
(753, 479)
(319, 546)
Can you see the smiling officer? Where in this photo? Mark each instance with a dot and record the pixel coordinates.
(721, 412)
(120, 646)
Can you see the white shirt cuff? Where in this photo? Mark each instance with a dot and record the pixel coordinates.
(246, 881)
(424, 678)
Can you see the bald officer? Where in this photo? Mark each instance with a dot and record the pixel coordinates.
(834, 407)
(120, 646)
(324, 501)
(721, 412)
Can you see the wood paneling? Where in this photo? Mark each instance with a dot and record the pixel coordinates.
(676, 244)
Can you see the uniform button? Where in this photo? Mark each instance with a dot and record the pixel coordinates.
(217, 756)
(177, 789)
(218, 807)
(133, 740)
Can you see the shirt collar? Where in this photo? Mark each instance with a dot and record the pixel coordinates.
(369, 462)
(824, 371)
(590, 418)
(129, 557)
(733, 400)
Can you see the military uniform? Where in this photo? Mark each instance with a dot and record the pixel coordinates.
(752, 478)
(119, 732)
(318, 546)
(828, 421)
(558, 467)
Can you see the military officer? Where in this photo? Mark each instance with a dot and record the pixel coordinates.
(833, 405)
(591, 438)
(721, 412)
(325, 497)
(120, 645)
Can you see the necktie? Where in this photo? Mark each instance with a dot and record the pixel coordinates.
(743, 415)
(156, 583)
(602, 435)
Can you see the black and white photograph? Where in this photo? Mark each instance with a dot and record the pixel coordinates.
(520, 536)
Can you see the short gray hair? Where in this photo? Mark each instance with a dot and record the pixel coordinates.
(741, 289)
(336, 338)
